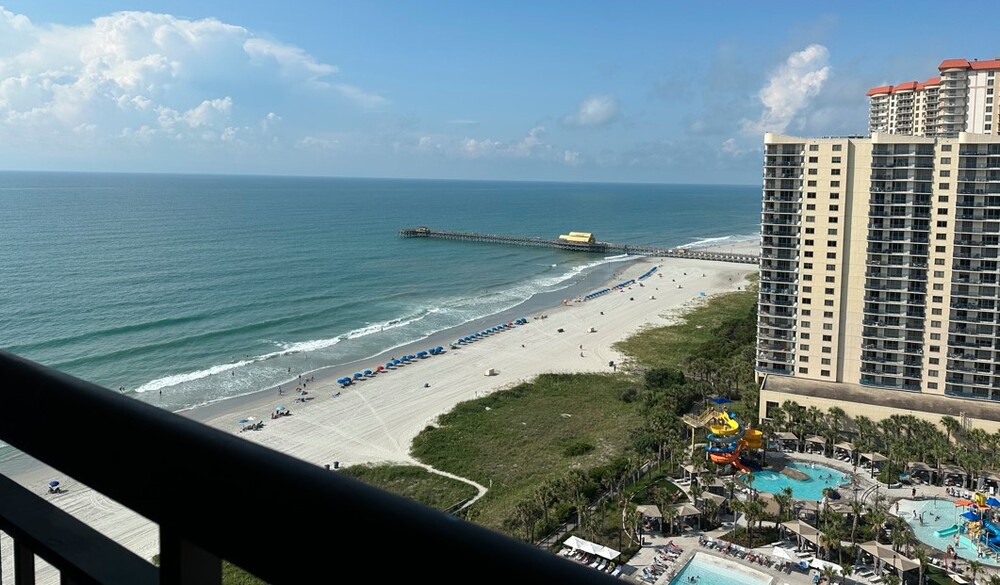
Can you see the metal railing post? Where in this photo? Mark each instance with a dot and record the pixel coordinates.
(182, 562)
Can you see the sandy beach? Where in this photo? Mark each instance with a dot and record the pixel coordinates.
(375, 419)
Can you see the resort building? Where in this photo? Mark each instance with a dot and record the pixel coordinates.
(879, 275)
(959, 99)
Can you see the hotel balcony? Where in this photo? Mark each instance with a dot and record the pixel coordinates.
(961, 391)
(213, 496)
(980, 201)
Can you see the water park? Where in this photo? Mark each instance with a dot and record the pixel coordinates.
(728, 440)
(968, 528)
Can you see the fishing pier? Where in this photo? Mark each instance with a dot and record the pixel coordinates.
(578, 242)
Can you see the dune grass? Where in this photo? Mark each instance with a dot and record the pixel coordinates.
(415, 483)
(517, 439)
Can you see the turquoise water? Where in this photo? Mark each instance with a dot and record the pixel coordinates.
(820, 477)
(190, 289)
(938, 515)
(706, 572)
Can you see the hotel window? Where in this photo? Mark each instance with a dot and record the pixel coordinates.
(804, 346)
(804, 336)
(831, 266)
(828, 303)
(810, 230)
(803, 370)
(807, 265)
(939, 262)
(938, 286)
(807, 277)
(811, 184)
(834, 183)
(831, 232)
(946, 160)
(827, 326)
(828, 314)
(935, 311)
(813, 171)
(945, 173)
(807, 289)
(828, 291)
(810, 206)
(831, 279)
(942, 211)
(937, 299)
(827, 349)
(939, 249)
(810, 195)
(834, 195)
(835, 207)
(814, 159)
(941, 237)
(827, 338)
(831, 256)
(946, 148)
(806, 313)
(944, 186)
(803, 358)
(934, 361)
(809, 242)
(836, 160)
(834, 220)
(932, 385)
(810, 218)
(935, 323)
(932, 373)
(824, 373)
(808, 253)
(935, 348)
(836, 147)
(939, 274)
(805, 324)
(813, 147)
(806, 301)
(824, 361)
(835, 171)
(831, 243)
(935, 336)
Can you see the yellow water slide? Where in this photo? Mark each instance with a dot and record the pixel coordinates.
(724, 426)
(753, 438)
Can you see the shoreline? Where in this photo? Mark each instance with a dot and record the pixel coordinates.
(375, 420)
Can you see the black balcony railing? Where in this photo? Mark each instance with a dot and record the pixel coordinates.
(210, 492)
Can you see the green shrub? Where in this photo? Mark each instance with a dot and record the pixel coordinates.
(578, 447)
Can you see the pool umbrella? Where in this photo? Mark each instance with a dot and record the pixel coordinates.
(971, 516)
(964, 502)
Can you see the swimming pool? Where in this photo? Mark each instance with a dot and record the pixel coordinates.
(708, 569)
(820, 477)
(940, 515)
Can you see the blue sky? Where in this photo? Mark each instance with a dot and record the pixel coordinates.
(665, 92)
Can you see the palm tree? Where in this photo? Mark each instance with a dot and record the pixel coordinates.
(951, 426)
(857, 509)
(784, 500)
(543, 496)
(669, 515)
(974, 568)
(753, 511)
(711, 509)
(828, 573)
(924, 559)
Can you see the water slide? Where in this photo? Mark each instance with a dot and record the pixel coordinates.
(727, 438)
(947, 531)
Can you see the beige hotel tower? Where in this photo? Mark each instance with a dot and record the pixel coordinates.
(880, 272)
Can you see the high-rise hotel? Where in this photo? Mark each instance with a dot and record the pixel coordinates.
(959, 99)
(879, 275)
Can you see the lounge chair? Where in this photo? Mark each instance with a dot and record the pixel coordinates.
(875, 579)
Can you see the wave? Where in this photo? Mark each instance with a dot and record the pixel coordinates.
(731, 239)
(454, 313)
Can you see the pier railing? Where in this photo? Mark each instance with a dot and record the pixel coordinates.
(592, 247)
(216, 496)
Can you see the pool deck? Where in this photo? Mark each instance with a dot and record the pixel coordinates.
(689, 540)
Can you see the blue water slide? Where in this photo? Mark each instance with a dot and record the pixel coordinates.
(991, 527)
(721, 448)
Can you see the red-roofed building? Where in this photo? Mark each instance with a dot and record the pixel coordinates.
(961, 99)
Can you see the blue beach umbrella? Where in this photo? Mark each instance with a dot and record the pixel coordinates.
(421, 354)
(244, 421)
(358, 375)
(396, 362)
(439, 349)
(53, 484)
(368, 372)
(388, 364)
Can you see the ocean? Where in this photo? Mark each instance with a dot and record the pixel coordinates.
(186, 290)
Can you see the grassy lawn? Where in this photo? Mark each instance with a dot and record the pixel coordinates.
(517, 439)
(415, 483)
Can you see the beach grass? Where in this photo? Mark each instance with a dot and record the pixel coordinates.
(415, 483)
(718, 328)
(517, 439)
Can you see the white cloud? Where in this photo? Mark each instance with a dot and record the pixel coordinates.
(531, 146)
(790, 89)
(571, 158)
(316, 143)
(463, 122)
(593, 111)
(140, 75)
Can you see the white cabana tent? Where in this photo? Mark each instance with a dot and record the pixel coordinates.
(591, 547)
(820, 564)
